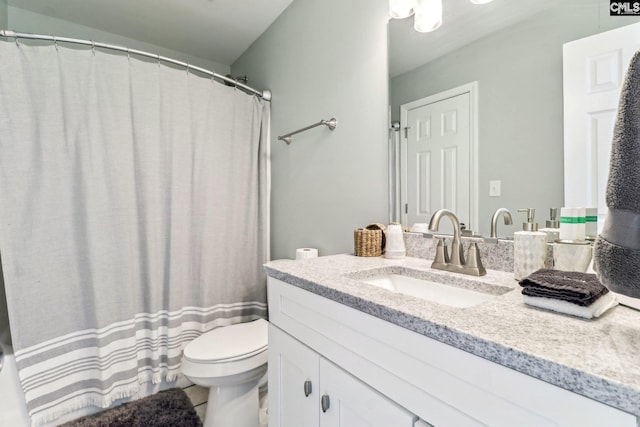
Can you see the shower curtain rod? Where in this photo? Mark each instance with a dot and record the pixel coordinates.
(265, 94)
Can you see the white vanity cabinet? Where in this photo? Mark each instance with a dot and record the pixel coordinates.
(308, 390)
(294, 378)
(368, 366)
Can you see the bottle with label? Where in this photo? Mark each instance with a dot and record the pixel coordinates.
(572, 225)
(591, 223)
(529, 247)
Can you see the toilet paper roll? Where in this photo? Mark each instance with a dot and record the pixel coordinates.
(420, 227)
(306, 253)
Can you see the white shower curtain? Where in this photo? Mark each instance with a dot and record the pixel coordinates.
(133, 217)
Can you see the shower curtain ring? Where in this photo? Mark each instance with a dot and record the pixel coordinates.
(93, 47)
(55, 43)
(17, 44)
(158, 60)
(128, 54)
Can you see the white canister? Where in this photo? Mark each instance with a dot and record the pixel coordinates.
(572, 257)
(394, 242)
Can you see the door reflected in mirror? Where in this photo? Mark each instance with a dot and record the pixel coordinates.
(513, 50)
(439, 149)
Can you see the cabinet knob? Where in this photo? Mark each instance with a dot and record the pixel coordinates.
(307, 388)
(325, 403)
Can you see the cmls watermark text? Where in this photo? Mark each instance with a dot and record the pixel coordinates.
(622, 8)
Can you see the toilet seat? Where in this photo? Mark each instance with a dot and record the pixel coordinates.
(229, 343)
(227, 354)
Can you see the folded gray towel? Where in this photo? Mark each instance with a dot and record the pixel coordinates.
(578, 288)
(616, 257)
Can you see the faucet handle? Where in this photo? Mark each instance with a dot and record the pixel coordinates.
(442, 257)
(474, 263)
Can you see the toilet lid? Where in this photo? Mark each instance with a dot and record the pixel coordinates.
(229, 342)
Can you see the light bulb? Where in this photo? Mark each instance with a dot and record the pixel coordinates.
(400, 9)
(428, 15)
(480, 1)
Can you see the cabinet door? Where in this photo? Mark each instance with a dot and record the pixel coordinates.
(348, 402)
(293, 382)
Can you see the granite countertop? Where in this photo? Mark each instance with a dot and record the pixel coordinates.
(598, 358)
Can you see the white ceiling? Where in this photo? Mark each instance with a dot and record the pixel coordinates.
(221, 30)
(218, 30)
(462, 23)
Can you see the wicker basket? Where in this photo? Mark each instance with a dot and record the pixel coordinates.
(369, 241)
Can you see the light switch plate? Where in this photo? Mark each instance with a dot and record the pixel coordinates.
(494, 188)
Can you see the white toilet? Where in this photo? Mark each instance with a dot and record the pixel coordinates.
(232, 362)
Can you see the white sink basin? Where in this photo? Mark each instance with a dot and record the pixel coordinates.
(446, 294)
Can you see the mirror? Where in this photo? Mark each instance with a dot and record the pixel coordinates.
(513, 50)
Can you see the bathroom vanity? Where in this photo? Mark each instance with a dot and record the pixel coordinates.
(344, 352)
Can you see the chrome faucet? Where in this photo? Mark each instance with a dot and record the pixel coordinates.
(494, 221)
(456, 262)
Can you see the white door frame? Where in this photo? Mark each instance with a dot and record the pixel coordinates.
(472, 90)
(594, 70)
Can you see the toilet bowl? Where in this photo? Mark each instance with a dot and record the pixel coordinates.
(232, 362)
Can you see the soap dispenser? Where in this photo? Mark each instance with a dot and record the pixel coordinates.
(529, 248)
(552, 227)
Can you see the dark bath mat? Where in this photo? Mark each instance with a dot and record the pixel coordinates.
(170, 408)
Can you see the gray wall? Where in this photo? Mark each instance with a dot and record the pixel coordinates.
(29, 22)
(519, 72)
(325, 58)
(3, 15)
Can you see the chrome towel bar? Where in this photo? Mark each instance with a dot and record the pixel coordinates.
(332, 123)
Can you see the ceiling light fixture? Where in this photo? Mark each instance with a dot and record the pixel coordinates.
(400, 9)
(428, 13)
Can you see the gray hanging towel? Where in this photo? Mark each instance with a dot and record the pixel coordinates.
(616, 257)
